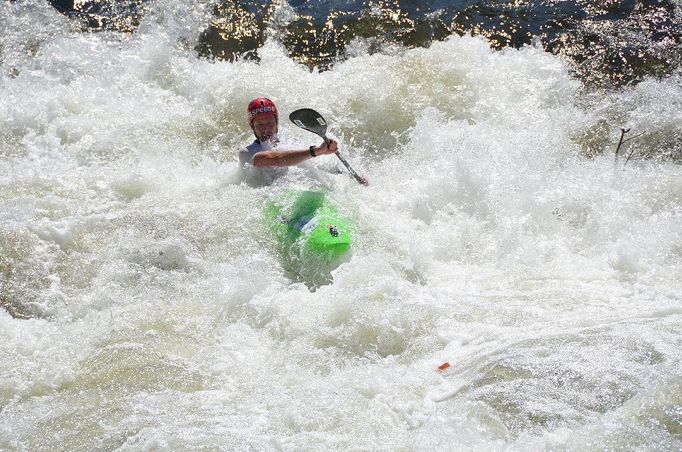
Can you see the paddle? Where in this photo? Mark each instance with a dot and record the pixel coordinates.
(310, 120)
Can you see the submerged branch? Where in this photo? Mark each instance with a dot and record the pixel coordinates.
(632, 138)
(620, 142)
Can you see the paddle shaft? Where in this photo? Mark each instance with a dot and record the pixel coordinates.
(351, 170)
(346, 164)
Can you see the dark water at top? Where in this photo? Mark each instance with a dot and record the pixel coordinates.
(608, 43)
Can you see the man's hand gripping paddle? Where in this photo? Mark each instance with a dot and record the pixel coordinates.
(310, 120)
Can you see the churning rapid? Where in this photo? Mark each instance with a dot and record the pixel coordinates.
(145, 307)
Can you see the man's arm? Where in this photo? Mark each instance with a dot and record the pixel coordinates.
(294, 157)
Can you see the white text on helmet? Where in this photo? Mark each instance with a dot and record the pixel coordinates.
(255, 111)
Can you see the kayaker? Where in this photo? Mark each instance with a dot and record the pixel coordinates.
(264, 154)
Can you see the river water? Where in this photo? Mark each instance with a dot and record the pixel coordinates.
(145, 306)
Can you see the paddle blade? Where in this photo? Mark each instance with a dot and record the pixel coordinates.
(310, 120)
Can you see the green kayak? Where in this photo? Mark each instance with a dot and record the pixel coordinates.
(308, 228)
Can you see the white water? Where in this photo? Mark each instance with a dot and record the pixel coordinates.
(161, 318)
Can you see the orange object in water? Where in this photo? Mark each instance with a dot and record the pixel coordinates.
(444, 366)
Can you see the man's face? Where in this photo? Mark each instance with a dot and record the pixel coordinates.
(265, 126)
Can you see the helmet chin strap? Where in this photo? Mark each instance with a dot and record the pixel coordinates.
(272, 139)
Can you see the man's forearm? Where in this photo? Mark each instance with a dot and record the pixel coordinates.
(281, 158)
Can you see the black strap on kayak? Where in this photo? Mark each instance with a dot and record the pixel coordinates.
(310, 120)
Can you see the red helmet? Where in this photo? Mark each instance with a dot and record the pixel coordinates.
(261, 106)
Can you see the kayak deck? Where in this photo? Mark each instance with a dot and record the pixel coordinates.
(307, 225)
